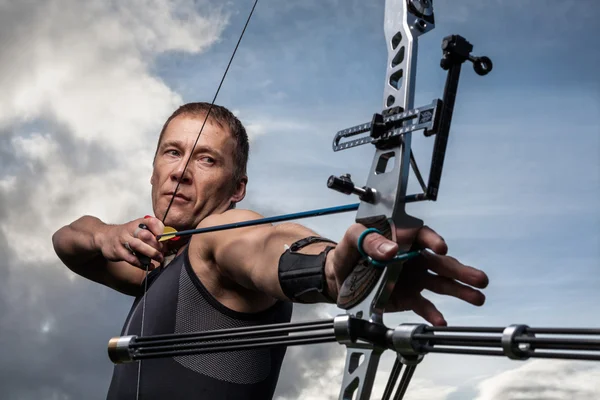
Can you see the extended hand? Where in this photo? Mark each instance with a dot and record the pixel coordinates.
(128, 241)
(450, 277)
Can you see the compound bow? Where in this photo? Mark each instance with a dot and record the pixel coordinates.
(382, 206)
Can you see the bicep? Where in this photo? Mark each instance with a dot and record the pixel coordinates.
(241, 255)
(250, 256)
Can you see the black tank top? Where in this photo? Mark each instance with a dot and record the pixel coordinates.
(178, 302)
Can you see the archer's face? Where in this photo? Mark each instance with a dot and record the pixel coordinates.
(207, 184)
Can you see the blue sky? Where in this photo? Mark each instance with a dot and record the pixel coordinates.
(85, 94)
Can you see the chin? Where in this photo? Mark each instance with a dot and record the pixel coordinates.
(179, 222)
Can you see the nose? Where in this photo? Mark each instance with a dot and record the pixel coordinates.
(181, 173)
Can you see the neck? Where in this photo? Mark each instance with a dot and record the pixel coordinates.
(176, 246)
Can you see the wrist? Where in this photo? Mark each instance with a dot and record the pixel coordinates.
(330, 280)
(302, 276)
(99, 235)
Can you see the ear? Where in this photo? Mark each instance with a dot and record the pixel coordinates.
(240, 190)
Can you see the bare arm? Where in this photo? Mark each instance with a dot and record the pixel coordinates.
(250, 256)
(94, 250)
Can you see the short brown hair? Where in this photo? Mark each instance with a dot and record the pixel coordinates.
(226, 120)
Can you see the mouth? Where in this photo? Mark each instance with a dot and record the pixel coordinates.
(178, 196)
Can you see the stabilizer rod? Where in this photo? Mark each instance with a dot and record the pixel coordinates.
(410, 341)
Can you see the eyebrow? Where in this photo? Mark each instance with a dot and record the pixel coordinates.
(198, 149)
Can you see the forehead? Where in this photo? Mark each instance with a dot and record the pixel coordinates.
(185, 128)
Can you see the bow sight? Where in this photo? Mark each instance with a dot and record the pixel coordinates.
(386, 130)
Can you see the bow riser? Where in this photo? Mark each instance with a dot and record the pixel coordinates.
(385, 208)
(402, 27)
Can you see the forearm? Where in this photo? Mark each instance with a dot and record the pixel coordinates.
(253, 259)
(78, 245)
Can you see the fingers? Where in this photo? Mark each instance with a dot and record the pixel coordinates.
(427, 238)
(379, 247)
(127, 255)
(449, 287)
(155, 225)
(450, 267)
(137, 243)
(424, 238)
(450, 277)
(445, 265)
(144, 247)
(428, 311)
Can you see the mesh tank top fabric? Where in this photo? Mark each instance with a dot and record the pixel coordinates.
(194, 313)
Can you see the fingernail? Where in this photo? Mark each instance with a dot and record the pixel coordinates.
(385, 247)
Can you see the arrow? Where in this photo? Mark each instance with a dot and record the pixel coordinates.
(170, 233)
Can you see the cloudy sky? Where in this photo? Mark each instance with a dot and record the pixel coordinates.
(86, 86)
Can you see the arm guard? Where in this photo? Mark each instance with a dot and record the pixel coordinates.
(302, 276)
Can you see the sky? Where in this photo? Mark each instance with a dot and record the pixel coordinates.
(86, 87)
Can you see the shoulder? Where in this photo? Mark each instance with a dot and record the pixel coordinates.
(208, 243)
(220, 259)
(229, 217)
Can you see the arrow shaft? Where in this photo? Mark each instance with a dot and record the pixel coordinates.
(269, 220)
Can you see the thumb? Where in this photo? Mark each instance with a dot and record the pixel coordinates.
(347, 254)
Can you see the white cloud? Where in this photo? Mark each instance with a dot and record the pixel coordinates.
(36, 148)
(8, 183)
(259, 125)
(424, 389)
(323, 382)
(544, 379)
(86, 65)
(83, 107)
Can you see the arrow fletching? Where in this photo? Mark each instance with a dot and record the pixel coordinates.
(165, 236)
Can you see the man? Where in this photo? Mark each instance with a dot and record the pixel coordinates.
(230, 278)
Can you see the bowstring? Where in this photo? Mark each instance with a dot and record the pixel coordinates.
(183, 172)
(210, 109)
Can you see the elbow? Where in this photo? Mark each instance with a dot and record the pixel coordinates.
(57, 239)
(60, 245)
